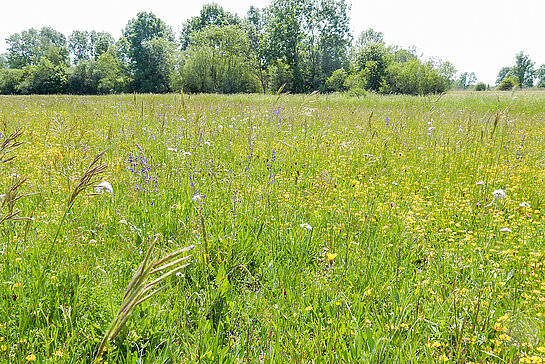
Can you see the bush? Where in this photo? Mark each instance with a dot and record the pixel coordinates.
(481, 86)
(508, 83)
(336, 81)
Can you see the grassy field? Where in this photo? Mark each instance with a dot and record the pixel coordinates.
(326, 228)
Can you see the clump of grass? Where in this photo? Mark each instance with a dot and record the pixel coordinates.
(144, 285)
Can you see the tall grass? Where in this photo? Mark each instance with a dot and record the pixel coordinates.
(327, 228)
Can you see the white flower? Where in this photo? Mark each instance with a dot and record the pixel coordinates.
(172, 150)
(394, 183)
(197, 197)
(499, 194)
(207, 142)
(431, 128)
(14, 176)
(460, 130)
(505, 230)
(481, 183)
(524, 204)
(104, 186)
(186, 153)
(306, 226)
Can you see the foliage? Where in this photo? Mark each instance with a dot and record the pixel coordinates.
(373, 59)
(540, 74)
(369, 36)
(466, 80)
(480, 86)
(148, 43)
(218, 61)
(524, 70)
(28, 47)
(210, 14)
(415, 78)
(10, 80)
(337, 80)
(508, 83)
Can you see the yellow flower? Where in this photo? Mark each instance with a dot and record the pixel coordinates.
(31, 357)
(309, 308)
(443, 357)
(541, 349)
(4, 347)
(331, 256)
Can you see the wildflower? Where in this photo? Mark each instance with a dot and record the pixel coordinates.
(431, 128)
(306, 226)
(524, 204)
(104, 186)
(186, 153)
(197, 197)
(481, 183)
(207, 142)
(506, 230)
(309, 308)
(394, 183)
(331, 256)
(541, 349)
(31, 357)
(172, 150)
(460, 130)
(499, 194)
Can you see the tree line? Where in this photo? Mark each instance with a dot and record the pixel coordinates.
(291, 45)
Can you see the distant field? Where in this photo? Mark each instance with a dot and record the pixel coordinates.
(327, 229)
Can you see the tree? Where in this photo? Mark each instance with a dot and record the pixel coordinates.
(369, 36)
(508, 83)
(524, 70)
(504, 72)
(373, 60)
(334, 32)
(466, 80)
(336, 81)
(78, 45)
(540, 74)
(85, 45)
(211, 14)
(27, 48)
(218, 61)
(147, 43)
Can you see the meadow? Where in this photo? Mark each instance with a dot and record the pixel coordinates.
(322, 228)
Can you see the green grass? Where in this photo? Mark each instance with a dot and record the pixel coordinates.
(422, 272)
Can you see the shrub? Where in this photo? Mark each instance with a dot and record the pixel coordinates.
(336, 81)
(508, 83)
(481, 86)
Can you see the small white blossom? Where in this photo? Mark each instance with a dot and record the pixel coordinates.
(481, 183)
(197, 197)
(431, 128)
(499, 194)
(505, 230)
(104, 186)
(172, 150)
(186, 153)
(207, 142)
(394, 183)
(460, 130)
(524, 204)
(306, 226)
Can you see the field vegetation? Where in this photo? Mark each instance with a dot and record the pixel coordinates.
(322, 228)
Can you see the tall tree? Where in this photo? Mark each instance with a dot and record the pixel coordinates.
(211, 14)
(524, 70)
(27, 48)
(369, 36)
(147, 43)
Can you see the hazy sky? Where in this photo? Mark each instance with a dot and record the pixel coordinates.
(475, 35)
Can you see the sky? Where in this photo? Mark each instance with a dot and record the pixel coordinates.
(479, 36)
